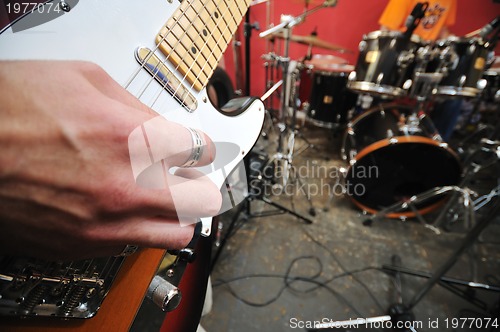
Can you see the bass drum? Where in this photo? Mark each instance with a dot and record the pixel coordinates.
(393, 156)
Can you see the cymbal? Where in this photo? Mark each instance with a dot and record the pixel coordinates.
(308, 2)
(311, 40)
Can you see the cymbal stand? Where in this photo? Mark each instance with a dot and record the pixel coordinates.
(270, 68)
(285, 160)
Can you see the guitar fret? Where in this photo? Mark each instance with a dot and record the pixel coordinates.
(172, 40)
(219, 27)
(197, 35)
(241, 9)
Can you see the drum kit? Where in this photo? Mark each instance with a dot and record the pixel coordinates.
(400, 142)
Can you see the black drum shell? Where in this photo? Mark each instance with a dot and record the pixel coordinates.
(462, 79)
(379, 69)
(330, 100)
(394, 166)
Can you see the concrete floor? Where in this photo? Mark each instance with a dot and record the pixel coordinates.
(278, 273)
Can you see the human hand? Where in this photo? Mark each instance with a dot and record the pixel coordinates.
(73, 144)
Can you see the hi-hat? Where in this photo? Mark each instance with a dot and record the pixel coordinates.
(311, 40)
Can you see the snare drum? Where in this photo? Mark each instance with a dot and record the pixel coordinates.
(463, 78)
(393, 157)
(385, 64)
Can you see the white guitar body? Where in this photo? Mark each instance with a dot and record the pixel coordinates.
(108, 32)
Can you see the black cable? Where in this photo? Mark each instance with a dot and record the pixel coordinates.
(289, 280)
(342, 267)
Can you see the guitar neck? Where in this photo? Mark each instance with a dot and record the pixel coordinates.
(197, 35)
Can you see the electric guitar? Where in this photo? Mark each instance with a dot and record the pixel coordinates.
(163, 52)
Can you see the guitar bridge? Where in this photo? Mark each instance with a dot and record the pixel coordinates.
(166, 78)
(33, 287)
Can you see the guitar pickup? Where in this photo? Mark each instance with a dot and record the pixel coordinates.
(160, 72)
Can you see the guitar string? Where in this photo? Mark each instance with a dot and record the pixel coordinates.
(156, 70)
(211, 53)
(200, 53)
(108, 268)
(174, 47)
(155, 49)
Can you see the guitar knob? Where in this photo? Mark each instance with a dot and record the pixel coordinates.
(164, 294)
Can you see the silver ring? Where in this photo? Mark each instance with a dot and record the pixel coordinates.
(128, 250)
(196, 150)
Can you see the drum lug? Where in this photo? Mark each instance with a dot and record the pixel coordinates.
(407, 84)
(481, 84)
(449, 60)
(393, 140)
(405, 58)
(352, 155)
(380, 77)
(362, 45)
(352, 76)
(461, 83)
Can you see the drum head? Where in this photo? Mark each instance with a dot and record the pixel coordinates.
(386, 172)
(325, 62)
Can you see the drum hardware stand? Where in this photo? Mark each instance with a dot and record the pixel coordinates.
(286, 159)
(269, 68)
(438, 276)
(245, 207)
(403, 312)
(292, 100)
(472, 168)
(253, 194)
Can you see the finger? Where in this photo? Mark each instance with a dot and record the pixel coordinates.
(192, 195)
(103, 82)
(158, 232)
(161, 140)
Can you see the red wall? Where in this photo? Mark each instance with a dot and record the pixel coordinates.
(343, 25)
